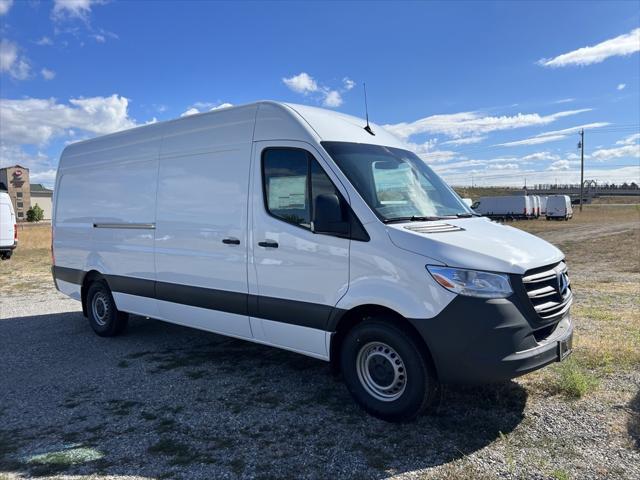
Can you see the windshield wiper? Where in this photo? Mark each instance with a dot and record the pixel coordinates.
(412, 218)
(467, 215)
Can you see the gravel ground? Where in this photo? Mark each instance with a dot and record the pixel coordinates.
(164, 401)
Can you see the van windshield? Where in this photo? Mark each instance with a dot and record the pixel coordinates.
(396, 183)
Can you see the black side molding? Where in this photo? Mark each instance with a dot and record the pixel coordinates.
(294, 312)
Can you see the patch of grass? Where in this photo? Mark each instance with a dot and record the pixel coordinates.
(509, 454)
(166, 425)
(574, 381)
(196, 374)
(148, 416)
(121, 407)
(180, 453)
(237, 466)
(560, 474)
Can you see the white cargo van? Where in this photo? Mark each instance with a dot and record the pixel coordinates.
(8, 227)
(543, 205)
(506, 206)
(296, 227)
(536, 206)
(559, 207)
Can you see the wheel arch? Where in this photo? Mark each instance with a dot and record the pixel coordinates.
(345, 321)
(90, 277)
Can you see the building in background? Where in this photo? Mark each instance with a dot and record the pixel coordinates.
(43, 197)
(23, 194)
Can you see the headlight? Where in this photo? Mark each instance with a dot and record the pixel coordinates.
(472, 283)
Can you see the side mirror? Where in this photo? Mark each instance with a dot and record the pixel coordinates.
(328, 215)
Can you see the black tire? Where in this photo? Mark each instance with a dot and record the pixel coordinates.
(364, 345)
(104, 317)
(5, 255)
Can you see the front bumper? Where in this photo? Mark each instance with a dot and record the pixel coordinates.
(474, 341)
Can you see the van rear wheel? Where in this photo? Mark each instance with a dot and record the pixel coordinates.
(104, 317)
(386, 372)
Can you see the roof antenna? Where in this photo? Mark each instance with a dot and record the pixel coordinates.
(366, 110)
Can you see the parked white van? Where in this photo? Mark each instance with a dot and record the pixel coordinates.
(543, 205)
(8, 227)
(296, 227)
(536, 205)
(559, 207)
(506, 206)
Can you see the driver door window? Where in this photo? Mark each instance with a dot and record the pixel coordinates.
(292, 180)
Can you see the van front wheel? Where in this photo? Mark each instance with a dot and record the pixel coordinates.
(104, 317)
(386, 372)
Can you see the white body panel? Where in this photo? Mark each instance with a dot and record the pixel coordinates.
(510, 205)
(202, 200)
(543, 204)
(149, 209)
(559, 206)
(7, 221)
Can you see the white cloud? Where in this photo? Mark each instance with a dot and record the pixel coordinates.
(563, 165)
(552, 136)
(44, 41)
(5, 5)
(439, 156)
(305, 84)
(222, 105)
(200, 107)
(36, 121)
(301, 83)
(533, 140)
(12, 62)
(540, 157)
(41, 167)
(565, 100)
(503, 166)
(625, 151)
(73, 9)
(619, 46)
(99, 38)
(48, 74)
(458, 125)
(190, 111)
(465, 140)
(621, 86)
(332, 99)
(348, 83)
(630, 140)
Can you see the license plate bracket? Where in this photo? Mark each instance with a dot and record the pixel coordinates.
(565, 347)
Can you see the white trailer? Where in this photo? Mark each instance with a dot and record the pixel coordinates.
(506, 206)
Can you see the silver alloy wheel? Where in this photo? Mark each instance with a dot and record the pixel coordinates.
(100, 308)
(381, 371)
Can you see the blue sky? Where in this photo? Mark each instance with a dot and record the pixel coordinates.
(493, 91)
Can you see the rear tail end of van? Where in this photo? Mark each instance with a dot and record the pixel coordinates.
(8, 227)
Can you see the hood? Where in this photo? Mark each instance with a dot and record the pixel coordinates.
(475, 243)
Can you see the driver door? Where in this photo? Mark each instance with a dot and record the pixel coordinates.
(296, 276)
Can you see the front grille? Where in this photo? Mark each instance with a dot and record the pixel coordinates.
(549, 291)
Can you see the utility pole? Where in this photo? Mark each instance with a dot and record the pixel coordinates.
(581, 146)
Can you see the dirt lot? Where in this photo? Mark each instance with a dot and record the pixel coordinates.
(168, 402)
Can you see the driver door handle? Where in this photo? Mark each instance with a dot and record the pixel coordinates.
(268, 244)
